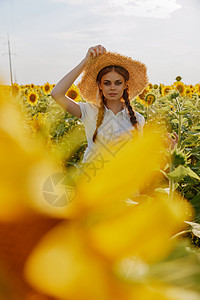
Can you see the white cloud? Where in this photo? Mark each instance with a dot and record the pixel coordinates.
(76, 2)
(139, 8)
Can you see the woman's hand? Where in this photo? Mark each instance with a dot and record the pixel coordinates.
(95, 51)
(172, 142)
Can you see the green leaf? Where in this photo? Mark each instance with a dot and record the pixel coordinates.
(189, 104)
(184, 112)
(60, 127)
(181, 269)
(195, 228)
(175, 121)
(196, 204)
(180, 172)
(184, 120)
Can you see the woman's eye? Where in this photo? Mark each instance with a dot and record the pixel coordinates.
(118, 82)
(106, 83)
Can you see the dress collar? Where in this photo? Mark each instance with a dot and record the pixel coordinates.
(122, 112)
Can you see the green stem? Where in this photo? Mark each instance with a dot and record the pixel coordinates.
(171, 182)
(197, 102)
(179, 122)
(179, 129)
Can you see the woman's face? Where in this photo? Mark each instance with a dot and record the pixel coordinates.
(112, 85)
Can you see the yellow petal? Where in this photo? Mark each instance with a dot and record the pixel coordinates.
(158, 291)
(24, 165)
(63, 266)
(131, 167)
(143, 230)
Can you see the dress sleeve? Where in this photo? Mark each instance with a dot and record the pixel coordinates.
(88, 111)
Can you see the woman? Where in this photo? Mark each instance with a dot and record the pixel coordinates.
(108, 81)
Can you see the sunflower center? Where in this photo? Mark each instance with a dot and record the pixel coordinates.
(167, 90)
(72, 94)
(32, 98)
(180, 88)
(46, 88)
(150, 99)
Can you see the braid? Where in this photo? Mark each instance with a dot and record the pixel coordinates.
(100, 116)
(130, 109)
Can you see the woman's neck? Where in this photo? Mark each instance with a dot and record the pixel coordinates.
(115, 106)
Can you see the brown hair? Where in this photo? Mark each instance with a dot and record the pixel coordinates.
(125, 74)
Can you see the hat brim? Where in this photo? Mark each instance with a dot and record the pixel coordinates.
(137, 82)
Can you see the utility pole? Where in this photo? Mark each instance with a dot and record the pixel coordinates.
(10, 61)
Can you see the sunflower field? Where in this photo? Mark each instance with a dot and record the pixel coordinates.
(73, 234)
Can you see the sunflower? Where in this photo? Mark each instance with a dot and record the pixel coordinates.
(178, 78)
(15, 89)
(32, 85)
(74, 93)
(180, 87)
(155, 86)
(46, 88)
(197, 89)
(179, 157)
(32, 97)
(189, 91)
(149, 99)
(165, 89)
(140, 97)
(150, 86)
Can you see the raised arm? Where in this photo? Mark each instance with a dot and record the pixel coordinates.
(59, 91)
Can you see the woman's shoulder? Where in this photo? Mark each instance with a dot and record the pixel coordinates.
(88, 105)
(88, 109)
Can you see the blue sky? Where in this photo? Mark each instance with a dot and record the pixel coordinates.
(49, 37)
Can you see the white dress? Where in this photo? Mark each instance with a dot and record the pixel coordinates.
(114, 130)
(111, 130)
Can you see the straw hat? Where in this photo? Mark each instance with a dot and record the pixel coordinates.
(138, 79)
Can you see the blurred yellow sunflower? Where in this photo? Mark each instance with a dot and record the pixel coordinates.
(74, 93)
(150, 86)
(32, 85)
(102, 232)
(32, 98)
(180, 87)
(47, 88)
(165, 89)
